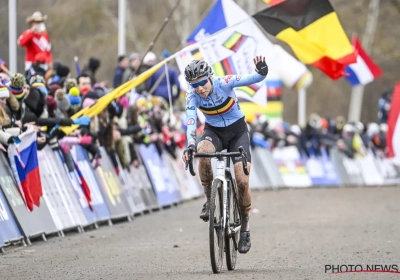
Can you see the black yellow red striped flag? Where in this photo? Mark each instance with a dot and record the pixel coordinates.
(313, 31)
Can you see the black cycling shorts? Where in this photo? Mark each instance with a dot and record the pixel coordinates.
(230, 138)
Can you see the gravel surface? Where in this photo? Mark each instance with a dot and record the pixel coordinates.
(295, 233)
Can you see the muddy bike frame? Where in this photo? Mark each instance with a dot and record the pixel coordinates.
(228, 191)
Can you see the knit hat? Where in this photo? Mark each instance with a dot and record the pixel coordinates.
(62, 70)
(38, 82)
(88, 102)
(51, 104)
(37, 79)
(53, 88)
(62, 101)
(4, 93)
(74, 97)
(16, 85)
(134, 56)
(70, 83)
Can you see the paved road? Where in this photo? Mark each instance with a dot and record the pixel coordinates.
(295, 233)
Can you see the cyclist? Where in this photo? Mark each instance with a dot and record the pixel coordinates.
(225, 128)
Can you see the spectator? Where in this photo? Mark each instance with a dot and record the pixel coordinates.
(84, 83)
(123, 63)
(91, 68)
(62, 72)
(384, 106)
(160, 80)
(36, 40)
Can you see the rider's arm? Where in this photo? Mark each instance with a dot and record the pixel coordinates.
(191, 118)
(245, 80)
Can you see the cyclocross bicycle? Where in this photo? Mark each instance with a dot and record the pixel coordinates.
(225, 220)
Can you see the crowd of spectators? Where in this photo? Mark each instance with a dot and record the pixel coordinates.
(321, 133)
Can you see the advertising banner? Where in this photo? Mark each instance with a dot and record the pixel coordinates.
(321, 170)
(75, 211)
(111, 188)
(389, 171)
(292, 169)
(33, 223)
(369, 170)
(143, 185)
(269, 167)
(98, 202)
(190, 186)
(90, 216)
(162, 181)
(9, 230)
(346, 168)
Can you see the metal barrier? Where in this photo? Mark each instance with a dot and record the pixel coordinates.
(76, 196)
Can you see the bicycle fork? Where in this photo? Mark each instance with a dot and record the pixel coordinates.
(221, 176)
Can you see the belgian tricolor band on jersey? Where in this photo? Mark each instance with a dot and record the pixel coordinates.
(220, 109)
(313, 31)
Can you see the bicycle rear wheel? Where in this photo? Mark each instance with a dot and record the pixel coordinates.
(231, 242)
(216, 230)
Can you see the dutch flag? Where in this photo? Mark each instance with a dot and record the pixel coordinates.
(364, 70)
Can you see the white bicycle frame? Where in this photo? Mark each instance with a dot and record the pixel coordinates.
(221, 167)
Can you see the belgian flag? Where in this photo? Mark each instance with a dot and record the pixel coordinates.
(313, 31)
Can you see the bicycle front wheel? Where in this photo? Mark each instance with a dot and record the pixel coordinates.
(231, 242)
(216, 230)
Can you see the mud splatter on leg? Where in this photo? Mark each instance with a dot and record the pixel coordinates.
(244, 195)
(205, 168)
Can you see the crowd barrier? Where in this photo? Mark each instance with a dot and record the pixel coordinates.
(159, 182)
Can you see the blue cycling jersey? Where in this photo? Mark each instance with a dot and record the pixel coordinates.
(221, 107)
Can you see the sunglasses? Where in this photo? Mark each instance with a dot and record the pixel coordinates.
(200, 83)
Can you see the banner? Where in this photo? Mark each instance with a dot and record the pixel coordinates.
(1, 244)
(63, 206)
(389, 172)
(73, 177)
(321, 170)
(284, 69)
(165, 186)
(51, 194)
(346, 168)
(291, 167)
(32, 223)
(8, 227)
(99, 206)
(369, 170)
(190, 187)
(231, 52)
(110, 186)
(268, 167)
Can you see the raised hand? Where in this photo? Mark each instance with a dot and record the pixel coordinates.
(261, 65)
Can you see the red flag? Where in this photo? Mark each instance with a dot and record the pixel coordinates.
(393, 134)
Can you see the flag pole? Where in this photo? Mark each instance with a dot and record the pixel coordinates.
(12, 35)
(122, 27)
(302, 107)
(357, 92)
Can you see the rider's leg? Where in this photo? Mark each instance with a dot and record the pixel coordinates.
(205, 168)
(244, 194)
